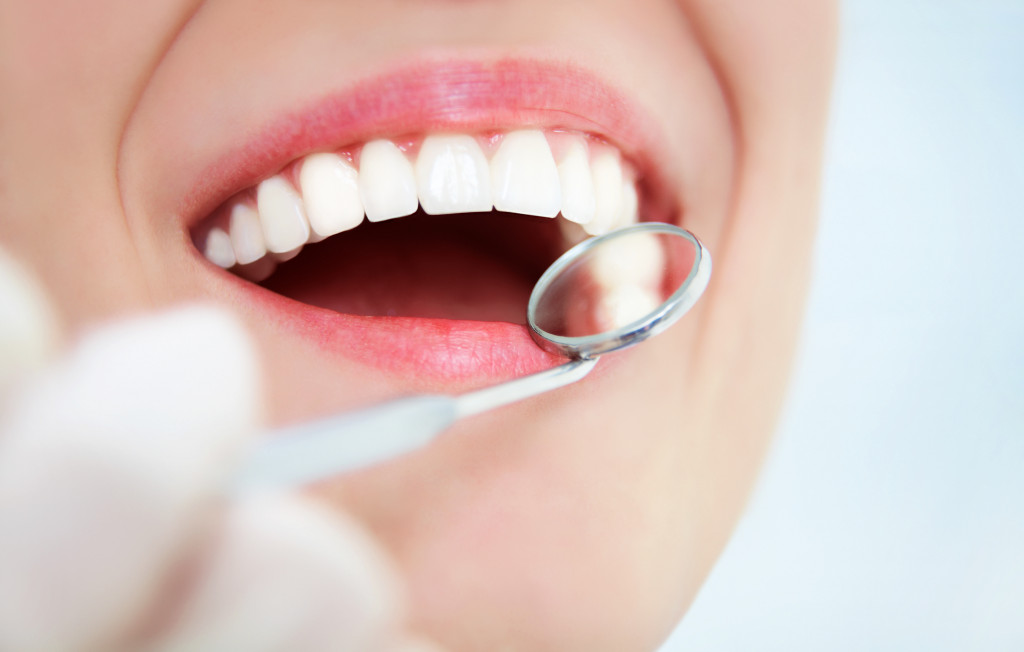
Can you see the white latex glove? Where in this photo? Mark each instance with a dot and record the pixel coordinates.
(114, 530)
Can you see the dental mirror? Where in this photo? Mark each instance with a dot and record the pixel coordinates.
(603, 295)
(615, 291)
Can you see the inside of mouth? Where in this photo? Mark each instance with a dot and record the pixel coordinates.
(442, 261)
(475, 266)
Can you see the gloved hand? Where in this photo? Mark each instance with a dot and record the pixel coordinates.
(115, 530)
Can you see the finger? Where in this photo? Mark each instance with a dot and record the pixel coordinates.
(289, 575)
(106, 466)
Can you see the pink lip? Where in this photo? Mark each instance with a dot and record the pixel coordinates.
(430, 96)
(442, 353)
(456, 95)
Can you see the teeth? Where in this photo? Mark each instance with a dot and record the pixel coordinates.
(577, 183)
(572, 233)
(259, 270)
(629, 274)
(638, 260)
(330, 191)
(218, 248)
(287, 255)
(629, 204)
(282, 215)
(452, 176)
(246, 234)
(524, 177)
(607, 172)
(387, 182)
(588, 185)
(620, 306)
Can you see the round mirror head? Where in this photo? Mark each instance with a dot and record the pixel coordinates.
(616, 290)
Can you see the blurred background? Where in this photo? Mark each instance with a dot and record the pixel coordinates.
(890, 515)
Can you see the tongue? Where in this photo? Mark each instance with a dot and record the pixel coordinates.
(475, 267)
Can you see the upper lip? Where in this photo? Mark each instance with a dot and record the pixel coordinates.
(444, 95)
(432, 95)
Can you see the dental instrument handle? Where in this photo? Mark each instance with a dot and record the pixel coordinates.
(307, 452)
(522, 388)
(301, 454)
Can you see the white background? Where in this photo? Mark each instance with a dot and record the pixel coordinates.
(890, 515)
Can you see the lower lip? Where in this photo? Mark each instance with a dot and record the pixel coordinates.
(438, 351)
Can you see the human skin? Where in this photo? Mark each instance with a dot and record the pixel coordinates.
(582, 520)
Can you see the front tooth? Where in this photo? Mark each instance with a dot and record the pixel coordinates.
(246, 234)
(282, 215)
(387, 183)
(577, 184)
(330, 191)
(629, 205)
(524, 177)
(217, 248)
(607, 172)
(452, 176)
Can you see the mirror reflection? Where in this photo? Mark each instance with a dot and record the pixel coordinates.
(618, 283)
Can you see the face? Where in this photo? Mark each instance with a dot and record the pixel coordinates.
(141, 143)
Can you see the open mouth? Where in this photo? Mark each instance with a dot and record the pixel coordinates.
(446, 226)
(400, 222)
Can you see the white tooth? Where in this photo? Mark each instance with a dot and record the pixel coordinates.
(629, 205)
(452, 176)
(607, 172)
(288, 255)
(637, 260)
(572, 233)
(246, 234)
(330, 191)
(524, 177)
(622, 305)
(628, 273)
(387, 183)
(577, 184)
(217, 248)
(282, 215)
(259, 270)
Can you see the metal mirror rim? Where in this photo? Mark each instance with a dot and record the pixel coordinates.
(668, 313)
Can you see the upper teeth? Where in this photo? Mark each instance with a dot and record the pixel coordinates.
(525, 177)
(453, 176)
(587, 183)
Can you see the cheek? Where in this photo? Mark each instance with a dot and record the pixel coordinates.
(70, 76)
(774, 60)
